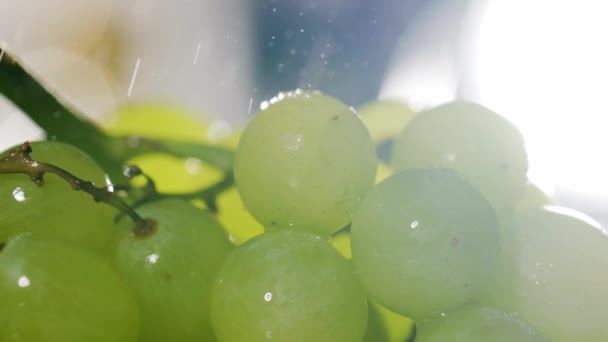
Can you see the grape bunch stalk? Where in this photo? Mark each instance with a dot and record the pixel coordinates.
(316, 222)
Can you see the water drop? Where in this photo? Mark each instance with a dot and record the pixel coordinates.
(23, 281)
(18, 194)
(152, 258)
(193, 165)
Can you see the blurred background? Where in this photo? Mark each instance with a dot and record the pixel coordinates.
(542, 64)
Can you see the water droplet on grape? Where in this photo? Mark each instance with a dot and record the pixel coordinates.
(152, 258)
(23, 281)
(18, 194)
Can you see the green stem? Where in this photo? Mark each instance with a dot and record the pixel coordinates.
(19, 161)
(54, 117)
(207, 195)
(64, 124)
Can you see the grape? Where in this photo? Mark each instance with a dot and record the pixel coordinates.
(170, 121)
(424, 241)
(54, 209)
(384, 171)
(474, 323)
(233, 215)
(171, 270)
(304, 162)
(553, 274)
(385, 119)
(175, 175)
(472, 140)
(532, 198)
(53, 292)
(376, 328)
(287, 285)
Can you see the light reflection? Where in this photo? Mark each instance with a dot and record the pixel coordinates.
(193, 165)
(423, 71)
(414, 224)
(18, 194)
(23, 281)
(295, 143)
(268, 296)
(218, 130)
(549, 79)
(152, 258)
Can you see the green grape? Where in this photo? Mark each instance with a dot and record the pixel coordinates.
(472, 140)
(171, 269)
(474, 323)
(532, 198)
(424, 241)
(55, 210)
(175, 175)
(385, 119)
(376, 327)
(54, 292)
(552, 272)
(305, 162)
(287, 285)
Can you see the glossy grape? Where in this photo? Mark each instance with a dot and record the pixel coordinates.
(477, 143)
(55, 210)
(287, 285)
(171, 269)
(424, 241)
(54, 292)
(305, 162)
(552, 272)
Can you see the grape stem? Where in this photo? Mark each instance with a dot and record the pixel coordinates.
(62, 123)
(149, 193)
(19, 161)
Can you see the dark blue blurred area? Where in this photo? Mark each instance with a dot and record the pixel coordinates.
(337, 46)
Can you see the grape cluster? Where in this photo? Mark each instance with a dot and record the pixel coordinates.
(370, 221)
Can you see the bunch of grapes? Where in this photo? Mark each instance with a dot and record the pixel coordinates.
(339, 226)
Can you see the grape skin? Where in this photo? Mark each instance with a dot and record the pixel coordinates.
(552, 272)
(172, 269)
(287, 285)
(424, 241)
(55, 210)
(54, 292)
(477, 143)
(475, 323)
(305, 162)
